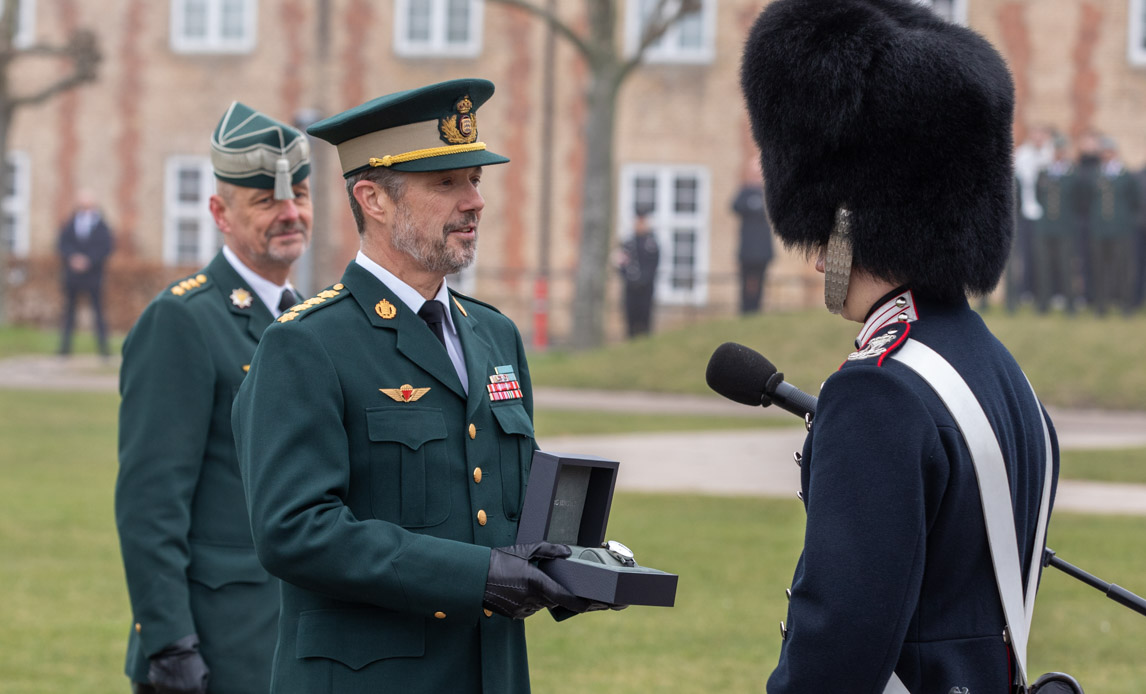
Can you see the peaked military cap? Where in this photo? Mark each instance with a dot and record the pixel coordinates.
(904, 119)
(432, 128)
(252, 150)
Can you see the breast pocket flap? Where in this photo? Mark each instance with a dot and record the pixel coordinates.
(359, 637)
(411, 427)
(513, 420)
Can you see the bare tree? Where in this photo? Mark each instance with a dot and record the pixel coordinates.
(609, 66)
(81, 55)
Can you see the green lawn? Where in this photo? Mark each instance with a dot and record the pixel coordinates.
(17, 340)
(1105, 466)
(64, 617)
(1073, 362)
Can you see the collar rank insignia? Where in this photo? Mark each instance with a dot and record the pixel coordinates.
(405, 393)
(876, 347)
(241, 298)
(460, 128)
(385, 310)
(503, 384)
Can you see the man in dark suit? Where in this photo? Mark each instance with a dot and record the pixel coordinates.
(755, 252)
(885, 138)
(385, 432)
(204, 610)
(638, 258)
(85, 242)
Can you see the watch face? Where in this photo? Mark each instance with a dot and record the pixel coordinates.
(618, 550)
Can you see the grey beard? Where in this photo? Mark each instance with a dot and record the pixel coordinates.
(434, 254)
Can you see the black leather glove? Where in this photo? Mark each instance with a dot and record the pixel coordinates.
(179, 669)
(516, 588)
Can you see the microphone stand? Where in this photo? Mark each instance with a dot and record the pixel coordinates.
(1113, 591)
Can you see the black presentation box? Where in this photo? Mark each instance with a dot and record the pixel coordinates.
(567, 501)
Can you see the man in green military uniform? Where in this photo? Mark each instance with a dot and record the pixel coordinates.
(201, 603)
(1113, 214)
(385, 432)
(1055, 237)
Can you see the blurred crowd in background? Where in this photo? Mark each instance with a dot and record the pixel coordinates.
(1080, 228)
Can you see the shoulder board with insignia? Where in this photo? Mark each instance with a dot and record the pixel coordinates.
(189, 284)
(459, 297)
(326, 296)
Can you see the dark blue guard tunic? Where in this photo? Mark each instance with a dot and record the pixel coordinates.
(896, 571)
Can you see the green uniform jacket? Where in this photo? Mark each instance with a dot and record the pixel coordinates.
(1114, 211)
(1058, 196)
(183, 526)
(378, 510)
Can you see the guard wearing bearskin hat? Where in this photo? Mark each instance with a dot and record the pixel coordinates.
(885, 138)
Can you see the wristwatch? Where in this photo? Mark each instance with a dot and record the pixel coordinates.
(620, 552)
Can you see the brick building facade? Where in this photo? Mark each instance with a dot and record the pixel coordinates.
(138, 137)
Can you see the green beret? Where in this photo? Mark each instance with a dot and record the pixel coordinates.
(431, 128)
(252, 150)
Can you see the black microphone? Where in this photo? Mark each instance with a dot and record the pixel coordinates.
(745, 376)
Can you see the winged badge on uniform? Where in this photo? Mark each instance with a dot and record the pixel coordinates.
(405, 392)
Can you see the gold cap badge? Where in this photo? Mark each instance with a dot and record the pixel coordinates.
(460, 128)
(385, 309)
(405, 392)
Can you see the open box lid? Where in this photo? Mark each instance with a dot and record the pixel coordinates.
(567, 500)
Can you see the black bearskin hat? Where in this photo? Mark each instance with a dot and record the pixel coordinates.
(884, 108)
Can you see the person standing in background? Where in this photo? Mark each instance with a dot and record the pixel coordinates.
(85, 242)
(204, 611)
(1113, 215)
(637, 262)
(755, 242)
(1032, 157)
(1055, 232)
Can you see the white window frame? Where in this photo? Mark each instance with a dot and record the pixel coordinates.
(25, 24)
(17, 203)
(958, 10)
(210, 239)
(665, 220)
(437, 46)
(213, 41)
(667, 49)
(1136, 41)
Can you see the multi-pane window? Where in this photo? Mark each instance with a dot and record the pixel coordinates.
(447, 28)
(678, 197)
(952, 10)
(213, 26)
(190, 236)
(690, 39)
(25, 23)
(1137, 39)
(14, 207)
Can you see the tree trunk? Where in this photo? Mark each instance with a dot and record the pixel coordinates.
(597, 212)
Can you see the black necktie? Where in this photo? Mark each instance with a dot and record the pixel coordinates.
(287, 300)
(435, 315)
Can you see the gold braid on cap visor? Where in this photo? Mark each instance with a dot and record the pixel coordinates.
(391, 159)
